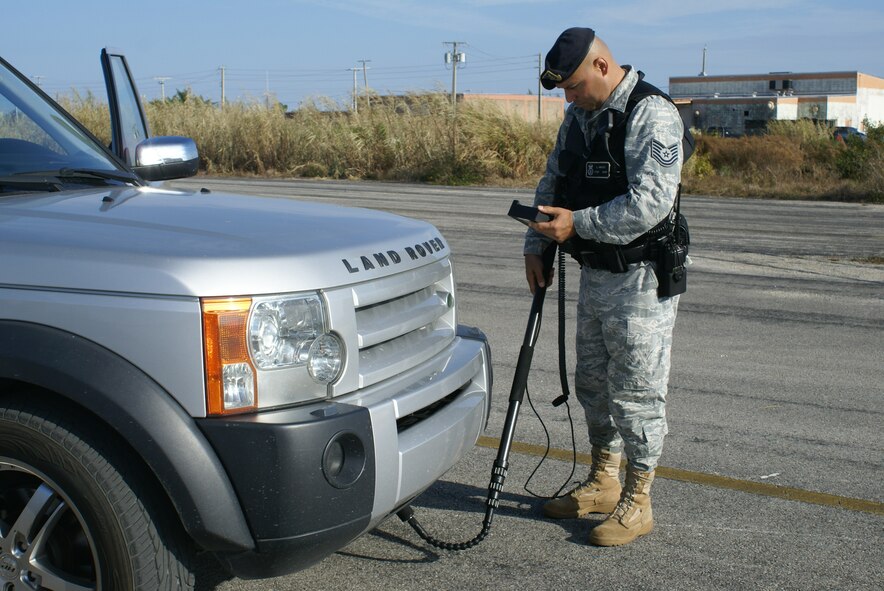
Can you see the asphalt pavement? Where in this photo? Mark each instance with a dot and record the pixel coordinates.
(771, 476)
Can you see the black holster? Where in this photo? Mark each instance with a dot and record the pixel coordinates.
(671, 268)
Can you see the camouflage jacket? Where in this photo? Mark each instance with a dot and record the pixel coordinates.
(653, 180)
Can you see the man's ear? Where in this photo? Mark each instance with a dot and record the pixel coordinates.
(601, 65)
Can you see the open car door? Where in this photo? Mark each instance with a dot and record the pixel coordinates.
(128, 122)
(154, 159)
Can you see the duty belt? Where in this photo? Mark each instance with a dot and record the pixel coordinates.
(609, 257)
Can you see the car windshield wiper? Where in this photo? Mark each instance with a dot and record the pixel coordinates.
(53, 180)
(23, 183)
(113, 175)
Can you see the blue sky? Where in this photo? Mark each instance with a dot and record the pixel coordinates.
(305, 48)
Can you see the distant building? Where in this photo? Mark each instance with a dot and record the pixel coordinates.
(743, 104)
(552, 108)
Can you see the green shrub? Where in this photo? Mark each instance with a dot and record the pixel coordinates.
(862, 158)
(698, 166)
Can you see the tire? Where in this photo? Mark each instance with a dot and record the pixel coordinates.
(75, 514)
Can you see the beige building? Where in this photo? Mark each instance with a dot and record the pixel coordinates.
(745, 103)
(526, 106)
(552, 108)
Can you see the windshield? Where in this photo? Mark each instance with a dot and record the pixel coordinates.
(38, 139)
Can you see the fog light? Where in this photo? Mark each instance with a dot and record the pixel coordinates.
(343, 460)
(334, 459)
(239, 386)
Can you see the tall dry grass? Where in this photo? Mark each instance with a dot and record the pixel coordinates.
(90, 111)
(410, 138)
(420, 138)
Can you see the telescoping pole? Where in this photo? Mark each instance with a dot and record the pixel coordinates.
(523, 368)
(517, 394)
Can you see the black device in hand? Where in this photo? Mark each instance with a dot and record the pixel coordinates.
(526, 214)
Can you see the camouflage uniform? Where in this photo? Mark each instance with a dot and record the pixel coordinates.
(624, 331)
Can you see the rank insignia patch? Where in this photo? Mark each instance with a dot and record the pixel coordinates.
(665, 155)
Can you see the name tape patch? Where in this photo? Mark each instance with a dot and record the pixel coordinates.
(598, 170)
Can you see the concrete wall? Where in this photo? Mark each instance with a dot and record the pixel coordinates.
(870, 98)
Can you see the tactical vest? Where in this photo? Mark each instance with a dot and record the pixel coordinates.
(596, 174)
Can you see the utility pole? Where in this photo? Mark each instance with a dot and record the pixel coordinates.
(365, 81)
(539, 87)
(453, 57)
(222, 86)
(355, 103)
(162, 81)
(267, 88)
(37, 79)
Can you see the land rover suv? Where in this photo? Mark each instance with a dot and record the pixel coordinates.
(189, 371)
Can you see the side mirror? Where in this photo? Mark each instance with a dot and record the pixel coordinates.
(166, 157)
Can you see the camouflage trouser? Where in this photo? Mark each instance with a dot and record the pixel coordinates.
(624, 337)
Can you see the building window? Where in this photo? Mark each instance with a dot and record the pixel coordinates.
(773, 85)
(745, 113)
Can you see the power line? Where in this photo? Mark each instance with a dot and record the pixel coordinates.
(329, 81)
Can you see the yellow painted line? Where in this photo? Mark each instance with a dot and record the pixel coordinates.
(747, 486)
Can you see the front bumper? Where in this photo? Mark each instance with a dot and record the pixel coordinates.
(313, 478)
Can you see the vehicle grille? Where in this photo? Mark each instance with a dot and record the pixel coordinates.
(403, 320)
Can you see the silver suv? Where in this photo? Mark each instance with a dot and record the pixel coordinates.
(262, 379)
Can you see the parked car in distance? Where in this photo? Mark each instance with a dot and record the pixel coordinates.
(721, 132)
(843, 134)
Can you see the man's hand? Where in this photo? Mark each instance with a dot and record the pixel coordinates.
(560, 228)
(534, 272)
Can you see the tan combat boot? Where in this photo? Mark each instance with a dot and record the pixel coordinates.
(632, 517)
(598, 494)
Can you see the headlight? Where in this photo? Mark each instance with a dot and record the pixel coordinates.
(291, 332)
(282, 331)
(278, 345)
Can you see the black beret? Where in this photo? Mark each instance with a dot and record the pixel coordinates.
(566, 55)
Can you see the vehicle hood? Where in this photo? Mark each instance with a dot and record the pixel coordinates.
(181, 243)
